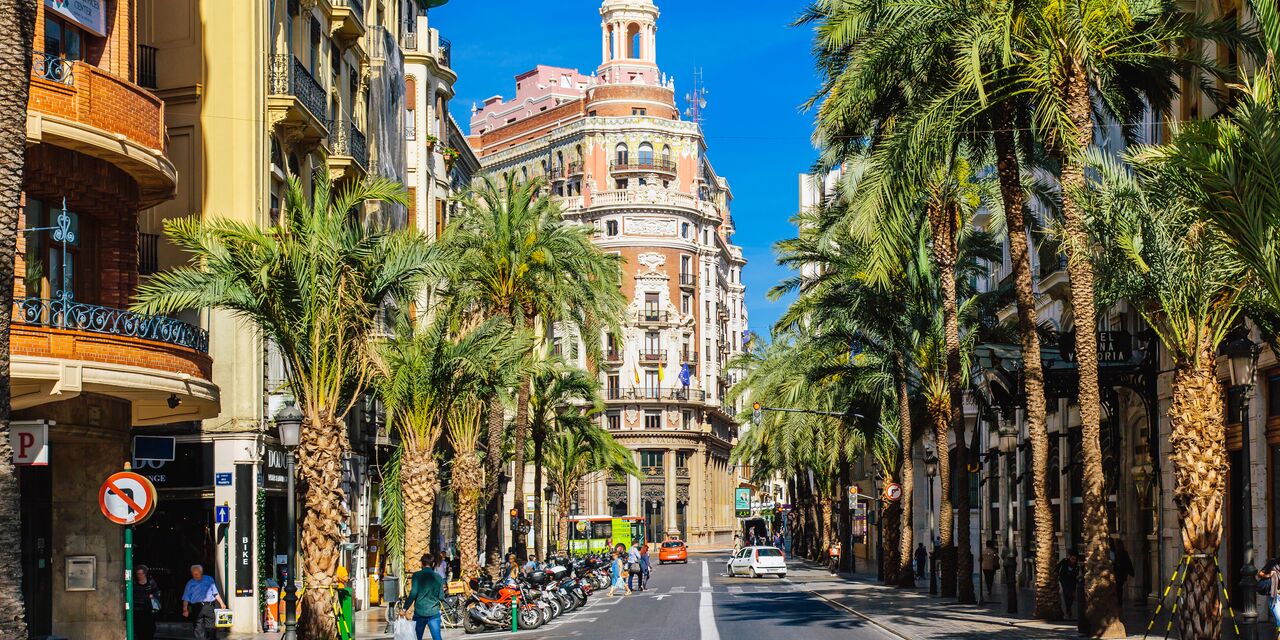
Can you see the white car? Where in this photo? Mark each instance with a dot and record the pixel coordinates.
(757, 562)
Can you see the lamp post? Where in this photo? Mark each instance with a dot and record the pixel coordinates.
(289, 426)
(548, 494)
(1243, 356)
(1008, 449)
(931, 470)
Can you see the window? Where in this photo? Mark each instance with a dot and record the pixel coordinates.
(651, 383)
(611, 227)
(686, 420)
(45, 276)
(682, 457)
(666, 154)
(686, 265)
(62, 39)
(1273, 395)
(613, 420)
(651, 306)
(614, 386)
(620, 155)
(706, 236)
(651, 458)
(645, 155)
(620, 183)
(652, 342)
(684, 230)
(638, 111)
(591, 113)
(686, 303)
(653, 420)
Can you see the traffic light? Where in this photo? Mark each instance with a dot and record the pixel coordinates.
(515, 519)
(755, 413)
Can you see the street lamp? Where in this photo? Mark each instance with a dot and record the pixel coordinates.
(1008, 448)
(289, 425)
(548, 494)
(1243, 356)
(931, 470)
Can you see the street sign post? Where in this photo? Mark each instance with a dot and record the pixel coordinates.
(893, 492)
(127, 498)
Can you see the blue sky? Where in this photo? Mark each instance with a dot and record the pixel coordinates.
(757, 70)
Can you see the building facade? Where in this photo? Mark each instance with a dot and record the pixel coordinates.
(85, 370)
(618, 156)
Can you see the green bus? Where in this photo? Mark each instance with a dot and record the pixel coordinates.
(592, 534)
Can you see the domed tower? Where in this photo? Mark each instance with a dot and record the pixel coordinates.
(628, 29)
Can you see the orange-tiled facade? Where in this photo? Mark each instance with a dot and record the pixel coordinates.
(85, 370)
(618, 156)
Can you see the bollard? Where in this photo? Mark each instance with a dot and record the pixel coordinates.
(515, 612)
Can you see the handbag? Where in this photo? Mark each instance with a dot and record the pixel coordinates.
(1264, 586)
(634, 567)
(403, 629)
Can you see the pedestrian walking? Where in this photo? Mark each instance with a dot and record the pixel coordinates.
(1269, 584)
(1068, 576)
(644, 566)
(634, 570)
(442, 566)
(615, 575)
(1122, 565)
(990, 563)
(146, 602)
(198, 598)
(424, 599)
(922, 560)
(737, 543)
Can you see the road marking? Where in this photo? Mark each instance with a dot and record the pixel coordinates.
(706, 614)
(659, 596)
(679, 589)
(735, 590)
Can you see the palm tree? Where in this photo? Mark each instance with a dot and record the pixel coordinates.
(313, 284)
(557, 392)
(1155, 251)
(423, 371)
(466, 425)
(517, 258)
(573, 452)
(18, 19)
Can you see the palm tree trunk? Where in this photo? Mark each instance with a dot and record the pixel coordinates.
(1048, 605)
(890, 540)
(419, 481)
(906, 574)
(493, 469)
(320, 456)
(1198, 452)
(18, 23)
(539, 535)
(468, 486)
(940, 411)
(1101, 601)
(826, 507)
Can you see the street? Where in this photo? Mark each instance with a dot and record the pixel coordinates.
(697, 601)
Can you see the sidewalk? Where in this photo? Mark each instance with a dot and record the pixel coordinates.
(370, 624)
(912, 614)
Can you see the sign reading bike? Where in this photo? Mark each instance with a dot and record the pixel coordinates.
(127, 498)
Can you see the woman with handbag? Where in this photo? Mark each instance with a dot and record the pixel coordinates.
(146, 602)
(615, 575)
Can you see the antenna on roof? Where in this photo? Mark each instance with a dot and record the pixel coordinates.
(696, 99)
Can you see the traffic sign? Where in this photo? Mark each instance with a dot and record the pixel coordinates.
(222, 479)
(893, 492)
(127, 498)
(222, 514)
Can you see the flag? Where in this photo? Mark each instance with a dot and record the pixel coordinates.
(660, 370)
(636, 371)
(684, 374)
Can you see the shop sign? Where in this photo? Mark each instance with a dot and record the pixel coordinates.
(86, 13)
(30, 443)
(1114, 347)
(275, 467)
(191, 467)
(244, 528)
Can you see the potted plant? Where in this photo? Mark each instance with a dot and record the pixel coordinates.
(431, 141)
(450, 155)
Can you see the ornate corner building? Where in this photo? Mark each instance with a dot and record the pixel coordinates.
(617, 154)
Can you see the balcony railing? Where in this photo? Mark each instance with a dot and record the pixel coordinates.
(654, 471)
(78, 316)
(446, 52)
(682, 394)
(690, 357)
(347, 140)
(147, 66)
(574, 168)
(290, 77)
(53, 68)
(645, 164)
(652, 356)
(357, 7)
(613, 356)
(688, 279)
(653, 316)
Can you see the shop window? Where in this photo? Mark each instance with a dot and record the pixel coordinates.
(63, 39)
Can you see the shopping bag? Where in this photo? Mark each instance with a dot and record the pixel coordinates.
(403, 629)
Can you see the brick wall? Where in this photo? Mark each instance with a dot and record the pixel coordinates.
(47, 342)
(528, 129)
(625, 93)
(102, 101)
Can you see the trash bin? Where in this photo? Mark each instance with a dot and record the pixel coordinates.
(346, 614)
(390, 590)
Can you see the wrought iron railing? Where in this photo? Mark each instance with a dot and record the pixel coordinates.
(290, 77)
(687, 279)
(653, 356)
(147, 66)
(47, 66)
(78, 316)
(446, 52)
(649, 316)
(575, 168)
(357, 145)
(645, 164)
(683, 394)
(357, 7)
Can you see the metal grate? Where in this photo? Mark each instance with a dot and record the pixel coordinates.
(148, 253)
(147, 66)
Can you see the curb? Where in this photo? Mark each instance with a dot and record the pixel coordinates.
(885, 628)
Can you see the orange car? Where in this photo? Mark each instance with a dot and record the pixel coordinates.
(673, 551)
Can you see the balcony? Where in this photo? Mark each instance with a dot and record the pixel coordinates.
(648, 356)
(654, 472)
(573, 169)
(653, 317)
(444, 51)
(645, 165)
(688, 281)
(348, 19)
(77, 106)
(296, 100)
(1053, 271)
(63, 348)
(613, 357)
(675, 394)
(689, 357)
(348, 150)
(653, 195)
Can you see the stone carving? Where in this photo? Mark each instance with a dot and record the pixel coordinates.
(653, 492)
(650, 226)
(631, 413)
(682, 493)
(651, 261)
(617, 493)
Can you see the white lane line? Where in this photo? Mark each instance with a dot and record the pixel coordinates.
(735, 590)
(706, 613)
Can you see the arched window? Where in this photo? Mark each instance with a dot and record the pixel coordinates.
(544, 167)
(524, 174)
(633, 41)
(577, 152)
(620, 153)
(560, 160)
(645, 156)
(666, 154)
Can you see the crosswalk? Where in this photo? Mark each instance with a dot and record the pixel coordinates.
(732, 589)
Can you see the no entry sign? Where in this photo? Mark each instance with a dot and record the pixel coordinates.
(127, 498)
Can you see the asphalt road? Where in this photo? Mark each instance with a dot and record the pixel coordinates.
(696, 601)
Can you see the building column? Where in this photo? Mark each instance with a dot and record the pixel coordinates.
(635, 503)
(669, 480)
(604, 43)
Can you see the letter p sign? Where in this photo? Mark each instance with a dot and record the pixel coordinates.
(30, 443)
